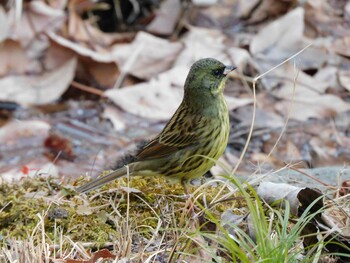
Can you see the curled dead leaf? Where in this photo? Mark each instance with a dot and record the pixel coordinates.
(295, 196)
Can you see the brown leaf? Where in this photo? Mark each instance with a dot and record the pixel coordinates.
(58, 145)
(13, 58)
(325, 18)
(96, 257)
(345, 190)
(103, 253)
(105, 74)
(56, 55)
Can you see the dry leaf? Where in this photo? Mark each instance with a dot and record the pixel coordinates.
(240, 57)
(245, 8)
(4, 29)
(113, 114)
(103, 74)
(344, 79)
(36, 90)
(83, 210)
(288, 77)
(341, 46)
(272, 193)
(13, 58)
(204, 2)
(318, 107)
(166, 18)
(97, 256)
(12, 131)
(255, 12)
(155, 99)
(76, 27)
(130, 190)
(83, 31)
(58, 4)
(325, 18)
(328, 76)
(38, 167)
(280, 38)
(234, 103)
(176, 75)
(103, 55)
(146, 56)
(263, 118)
(56, 55)
(38, 17)
(220, 16)
(202, 43)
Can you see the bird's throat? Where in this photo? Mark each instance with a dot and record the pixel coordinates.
(218, 90)
(210, 106)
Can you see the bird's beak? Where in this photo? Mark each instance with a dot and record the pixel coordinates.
(228, 69)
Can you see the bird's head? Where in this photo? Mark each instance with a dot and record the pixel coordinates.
(206, 78)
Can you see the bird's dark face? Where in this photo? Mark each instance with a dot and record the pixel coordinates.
(207, 78)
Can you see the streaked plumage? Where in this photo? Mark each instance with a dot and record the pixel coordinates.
(199, 127)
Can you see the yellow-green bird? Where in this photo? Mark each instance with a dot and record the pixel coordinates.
(195, 136)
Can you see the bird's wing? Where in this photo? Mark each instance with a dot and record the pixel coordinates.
(179, 133)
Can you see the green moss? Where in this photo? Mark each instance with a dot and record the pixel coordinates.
(99, 217)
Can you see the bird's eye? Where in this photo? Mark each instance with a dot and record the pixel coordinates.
(217, 72)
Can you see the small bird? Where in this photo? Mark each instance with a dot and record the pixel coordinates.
(194, 138)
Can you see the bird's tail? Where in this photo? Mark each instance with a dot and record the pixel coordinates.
(98, 182)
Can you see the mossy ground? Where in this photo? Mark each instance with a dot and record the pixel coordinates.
(102, 216)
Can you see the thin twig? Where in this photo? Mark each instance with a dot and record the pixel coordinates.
(250, 131)
(87, 89)
(280, 64)
(312, 177)
(254, 108)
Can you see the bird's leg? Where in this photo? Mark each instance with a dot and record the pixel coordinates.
(189, 203)
(183, 183)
